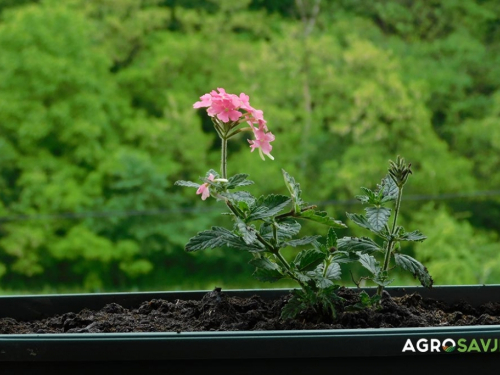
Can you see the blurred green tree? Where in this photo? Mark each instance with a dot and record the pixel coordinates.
(97, 123)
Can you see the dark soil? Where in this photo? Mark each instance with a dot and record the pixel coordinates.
(219, 312)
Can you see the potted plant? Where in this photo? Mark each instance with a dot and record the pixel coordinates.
(264, 226)
(293, 351)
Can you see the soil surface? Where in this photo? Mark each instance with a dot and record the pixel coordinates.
(220, 312)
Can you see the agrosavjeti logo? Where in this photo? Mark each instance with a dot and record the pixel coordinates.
(449, 345)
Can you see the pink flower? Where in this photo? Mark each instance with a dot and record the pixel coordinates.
(206, 101)
(225, 108)
(245, 102)
(237, 109)
(262, 141)
(203, 189)
(256, 116)
(222, 105)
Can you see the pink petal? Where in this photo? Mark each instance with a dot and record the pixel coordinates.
(245, 102)
(234, 115)
(206, 101)
(223, 116)
(258, 114)
(205, 194)
(204, 191)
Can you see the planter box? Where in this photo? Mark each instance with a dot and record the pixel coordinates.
(287, 352)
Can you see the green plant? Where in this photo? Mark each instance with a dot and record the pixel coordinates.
(265, 225)
(376, 220)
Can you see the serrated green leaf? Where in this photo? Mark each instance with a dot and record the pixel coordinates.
(344, 257)
(238, 244)
(318, 246)
(370, 263)
(294, 189)
(264, 263)
(274, 202)
(294, 306)
(248, 233)
(246, 183)
(240, 196)
(365, 302)
(362, 198)
(266, 270)
(418, 270)
(323, 283)
(382, 280)
(266, 275)
(324, 279)
(372, 196)
(364, 297)
(187, 183)
(389, 189)
(307, 260)
(359, 220)
(302, 277)
(322, 218)
(286, 229)
(369, 192)
(331, 238)
(362, 221)
(301, 241)
(221, 237)
(362, 245)
(327, 298)
(238, 180)
(333, 272)
(258, 212)
(268, 206)
(412, 236)
(377, 217)
(243, 206)
(210, 239)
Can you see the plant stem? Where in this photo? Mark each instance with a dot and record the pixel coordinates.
(391, 242)
(275, 234)
(238, 214)
(247, 129)
(293, 213)
(263, 241)
(223, 161)
(233, 209)
(396, 209)
(288, 268)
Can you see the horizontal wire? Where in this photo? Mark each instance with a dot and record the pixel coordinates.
(160, 211)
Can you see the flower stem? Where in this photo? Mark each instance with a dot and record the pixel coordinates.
(391, 242)
(223, 160)
(247, 129)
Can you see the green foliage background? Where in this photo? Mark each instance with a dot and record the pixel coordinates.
(96, 124)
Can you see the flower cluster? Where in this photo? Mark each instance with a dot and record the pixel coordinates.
(233, 110)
